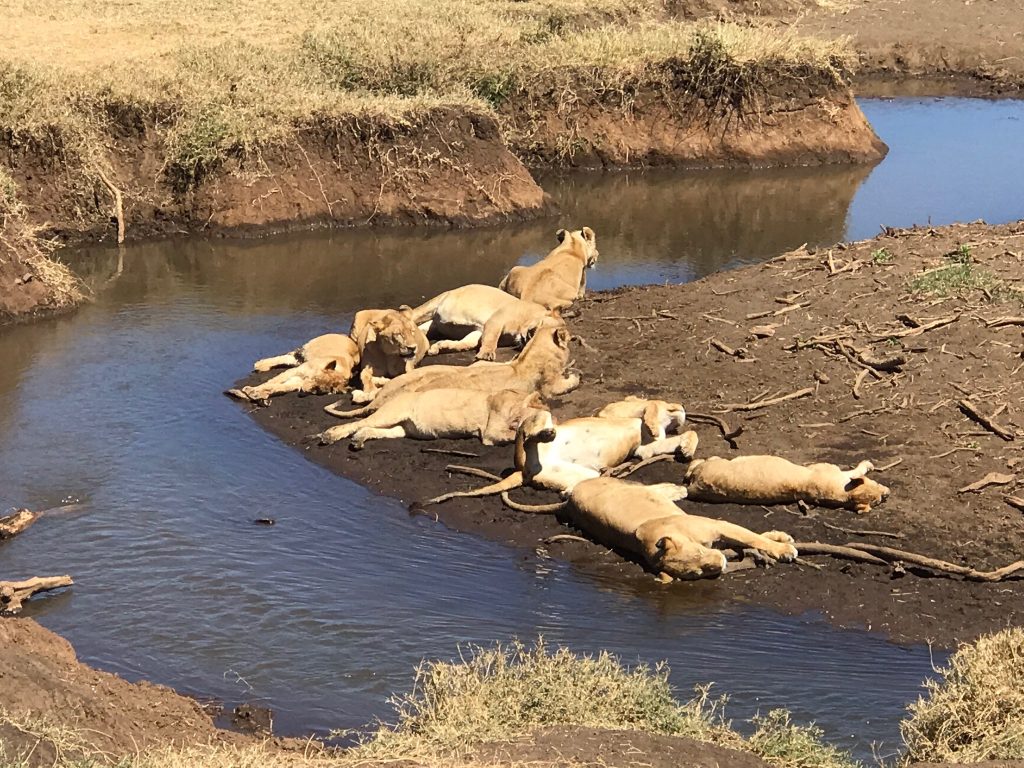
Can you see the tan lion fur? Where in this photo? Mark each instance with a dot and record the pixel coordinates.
(390, 344)
(540, 367)
(558, 456)
(321, 366)
(442, 413)
(644, 520)
(479, 316)
(774, 480)
(560, 278)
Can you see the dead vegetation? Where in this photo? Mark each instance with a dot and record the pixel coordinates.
(25, 256)
(974, 711)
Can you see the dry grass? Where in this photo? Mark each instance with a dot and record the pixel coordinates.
(975, 711)
(500, 694)
(225, 78)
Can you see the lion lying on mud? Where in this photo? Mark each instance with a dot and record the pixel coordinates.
(390, 344)
(321, 366)
(644, 520)
(479, 316)
(560, 278)
(774, 480)
(540, 367)
(557, 457)
(442, 413)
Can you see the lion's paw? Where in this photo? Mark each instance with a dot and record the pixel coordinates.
(360, 396)
(780, 536)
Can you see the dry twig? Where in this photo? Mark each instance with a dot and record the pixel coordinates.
(766, 403)
(968, 408)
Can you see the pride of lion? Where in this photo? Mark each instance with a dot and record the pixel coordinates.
(507, 402)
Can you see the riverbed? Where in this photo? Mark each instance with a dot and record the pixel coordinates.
(118, 410)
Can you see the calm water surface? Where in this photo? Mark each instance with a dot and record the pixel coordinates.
(322, 616)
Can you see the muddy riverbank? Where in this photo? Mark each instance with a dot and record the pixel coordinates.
(854, 294)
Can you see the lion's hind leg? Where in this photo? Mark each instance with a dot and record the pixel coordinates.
(280, 361)
(376, 433)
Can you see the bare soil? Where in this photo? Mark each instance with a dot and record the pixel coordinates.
(927, 47)
(656, 341)
(22, 295)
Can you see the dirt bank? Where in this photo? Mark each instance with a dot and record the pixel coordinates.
(99, 715)
(927, 47)
(41, 677)
(911, 416)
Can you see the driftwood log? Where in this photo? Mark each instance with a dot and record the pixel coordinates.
(14, 593)
(12, 525)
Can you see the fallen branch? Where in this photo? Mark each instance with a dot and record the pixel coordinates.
(918, 329)
(451, 452)
(890, 465)
(858, 381)
(857, 532)
(970, 410)
(740, 353)
(835, 550)
(14, 593)
(992, 478)
(999, 322)
(729, 435)
(12, 525)
(971, 574)
(765, 403)
(1015, 501)
(118, 204)
(539, 509)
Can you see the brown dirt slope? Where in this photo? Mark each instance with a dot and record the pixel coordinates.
(948, 46)
(40, 677)
(854, 294)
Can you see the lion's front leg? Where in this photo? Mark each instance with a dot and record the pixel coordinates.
(775, 543)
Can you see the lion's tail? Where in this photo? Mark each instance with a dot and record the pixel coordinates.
(515, 480)
(427, 309)
(334, 411)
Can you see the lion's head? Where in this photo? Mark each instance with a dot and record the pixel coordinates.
(395, 333)
(582, 241)
(682, 558)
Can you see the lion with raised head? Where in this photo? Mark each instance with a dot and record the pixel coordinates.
(540, 367)
(390, 344)
(479, 316)
(560, 278)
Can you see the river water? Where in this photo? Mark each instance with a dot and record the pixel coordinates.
(118, 408)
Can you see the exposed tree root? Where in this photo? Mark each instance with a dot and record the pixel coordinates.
(879, 555)
(118, 204)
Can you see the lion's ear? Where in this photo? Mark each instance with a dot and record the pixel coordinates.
(588, 234)
(665, 544)
(560, 234)
(562, 337)
(405, 309)
(331, 366)
(854, 483)
(369, 335)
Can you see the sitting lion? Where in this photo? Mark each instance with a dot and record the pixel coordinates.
(560, 278)
(321, 366)
(440, 413)
(644, 520)
(774, 480)
(557, 457)
(479, 315)
(390, 344)
(540, 367)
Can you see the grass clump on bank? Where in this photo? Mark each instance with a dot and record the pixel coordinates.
(505, 692)
(960, 277)
(975, 711)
